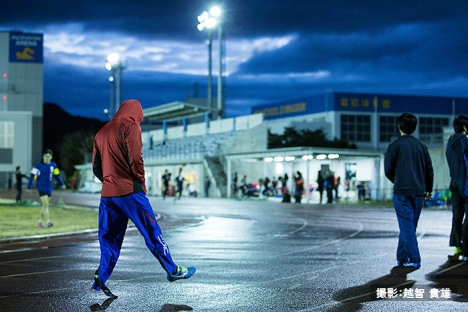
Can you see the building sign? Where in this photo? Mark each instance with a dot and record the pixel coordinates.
(26, 48)
(282, 110)
(357, 103)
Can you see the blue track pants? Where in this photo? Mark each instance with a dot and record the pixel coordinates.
(114, 213)
(408, 209)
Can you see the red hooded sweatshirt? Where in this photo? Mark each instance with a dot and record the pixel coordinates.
(117, 157)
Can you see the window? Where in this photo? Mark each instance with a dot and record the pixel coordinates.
(7, 131)
(388, 128)
(431, 129)
(356, 128)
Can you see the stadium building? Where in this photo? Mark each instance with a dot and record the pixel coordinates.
(21, 101)
(214, 150)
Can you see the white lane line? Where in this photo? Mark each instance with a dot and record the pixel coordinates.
(450, 268)
(335, 241)
(304, 224)
(300, 228)
(35, 273)
(31, 259)
(22, 249)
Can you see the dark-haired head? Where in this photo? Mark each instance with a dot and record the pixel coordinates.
(459, 123)
(407, 123)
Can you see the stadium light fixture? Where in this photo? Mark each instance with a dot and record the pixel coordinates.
(209, 20)
(114, 65)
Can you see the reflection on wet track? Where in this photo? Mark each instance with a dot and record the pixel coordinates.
(250, 256)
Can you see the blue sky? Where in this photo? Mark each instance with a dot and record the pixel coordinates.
(275, 50)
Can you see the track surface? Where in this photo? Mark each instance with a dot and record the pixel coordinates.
(250, 256)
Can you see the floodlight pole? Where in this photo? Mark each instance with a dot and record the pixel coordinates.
(219, 112)
(118, 71)
(209, 20)
(210, 71)
(114, 65)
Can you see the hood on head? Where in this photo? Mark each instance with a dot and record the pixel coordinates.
(130, 109)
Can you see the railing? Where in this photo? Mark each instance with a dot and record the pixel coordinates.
(186, 148)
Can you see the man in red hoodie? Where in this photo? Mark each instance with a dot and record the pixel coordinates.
(118, 164)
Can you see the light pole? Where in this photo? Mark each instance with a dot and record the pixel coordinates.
(209, 20)
(114, 65)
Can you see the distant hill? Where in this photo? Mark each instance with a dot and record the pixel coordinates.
(58, 123)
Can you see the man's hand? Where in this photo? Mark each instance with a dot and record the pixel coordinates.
(428, 196)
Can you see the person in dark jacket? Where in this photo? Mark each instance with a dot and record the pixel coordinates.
(464, 237)
(330, 182)
(454, 155)
(299, 190)
(19, 184)
(179, 182)
(409, 167)
(118, 164)
(320, 184)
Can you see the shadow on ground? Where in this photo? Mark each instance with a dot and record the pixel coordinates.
(165, 308)
(351, 299)
(454, 276)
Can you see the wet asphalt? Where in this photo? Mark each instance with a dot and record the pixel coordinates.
(250, 255)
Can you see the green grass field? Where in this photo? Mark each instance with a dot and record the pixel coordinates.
(18, 221)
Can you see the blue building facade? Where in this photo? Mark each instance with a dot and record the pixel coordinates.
(368, 120)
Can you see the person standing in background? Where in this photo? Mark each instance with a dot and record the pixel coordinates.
(456, 164)
(19, 184)
(207, 186)
(320, 184)
(179, 184)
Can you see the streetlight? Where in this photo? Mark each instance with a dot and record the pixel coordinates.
(114, 65)
(209, 20)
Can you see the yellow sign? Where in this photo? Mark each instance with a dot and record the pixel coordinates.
(281, 110)
(26, 54)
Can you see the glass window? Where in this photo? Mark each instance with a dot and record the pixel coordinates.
(355, 128)
(431, 129)
(6, 134)
(388, 128)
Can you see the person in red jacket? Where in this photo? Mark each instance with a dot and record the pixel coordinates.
(118, 164)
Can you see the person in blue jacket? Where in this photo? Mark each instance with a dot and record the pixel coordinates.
(42, 173)
(408, 166)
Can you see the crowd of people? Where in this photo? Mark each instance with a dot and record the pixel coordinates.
(175, 187)
(281, 187)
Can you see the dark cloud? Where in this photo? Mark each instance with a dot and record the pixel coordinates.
(87, 92)
(275, 50)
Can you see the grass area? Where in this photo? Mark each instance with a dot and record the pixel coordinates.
(18, 221)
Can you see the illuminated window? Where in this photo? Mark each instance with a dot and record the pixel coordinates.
(344, 102)
(7, 131)
(356, 128)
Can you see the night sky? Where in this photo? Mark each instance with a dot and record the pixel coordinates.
(275, 50)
